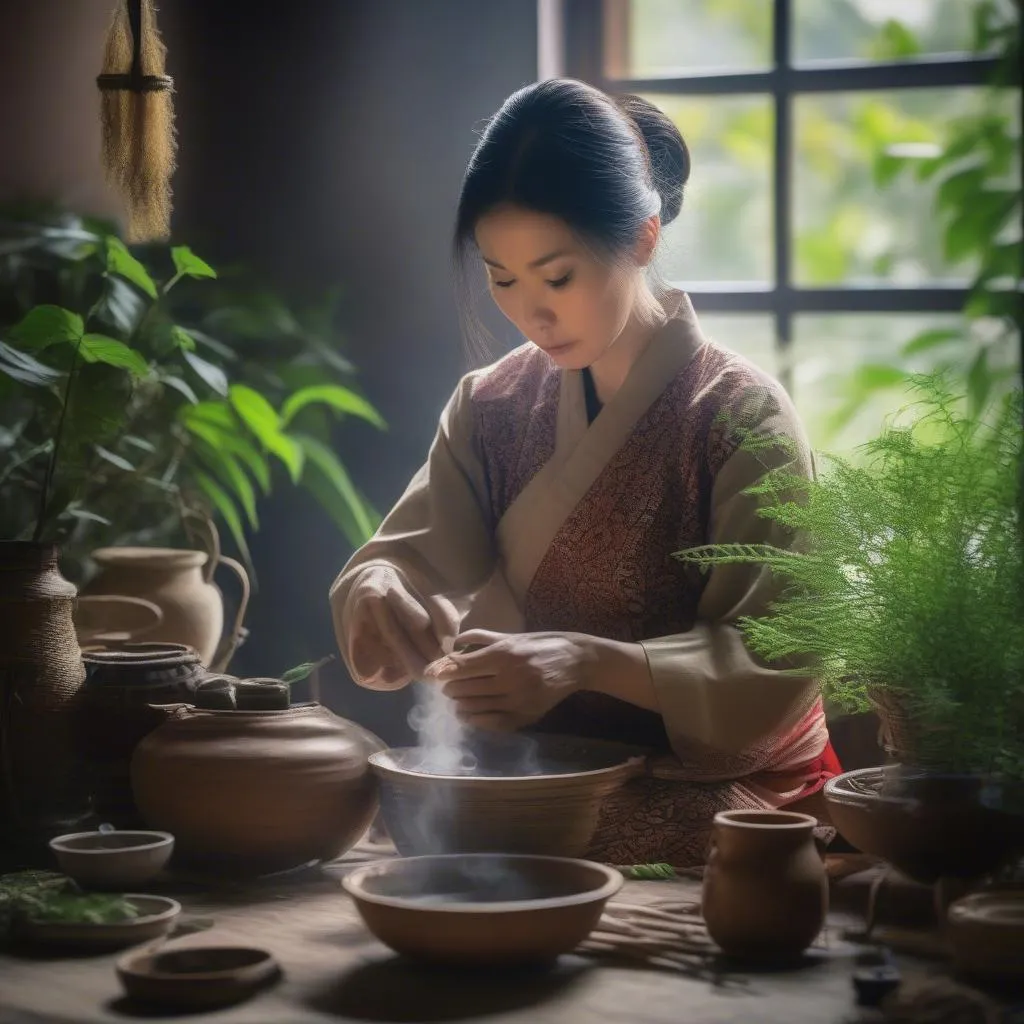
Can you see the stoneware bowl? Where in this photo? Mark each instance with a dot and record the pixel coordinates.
(929, 826)
(156, 917)
(510, 795)
(986, 935)
(198, 978)
(483, 910)
(112, 860)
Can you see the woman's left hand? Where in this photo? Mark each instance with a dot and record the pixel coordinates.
(513, 680)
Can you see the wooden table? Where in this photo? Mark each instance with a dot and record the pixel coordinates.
(335, 971)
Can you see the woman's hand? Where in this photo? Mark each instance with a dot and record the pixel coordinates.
(393, 632)
(513, 680)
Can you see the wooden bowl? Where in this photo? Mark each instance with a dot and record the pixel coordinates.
(929, 826)
(157, 915)
(552, 811)
(484, 910)
(986, 935)
(112, 860)
(200, 977)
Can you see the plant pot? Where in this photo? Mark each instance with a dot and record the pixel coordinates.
(180, 584)
(929, 825)
(115, 713)
(256, 791)
(41, 672)
(765, 893)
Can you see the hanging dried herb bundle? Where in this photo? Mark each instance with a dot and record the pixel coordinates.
(138, 120)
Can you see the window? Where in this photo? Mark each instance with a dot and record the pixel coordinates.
(796, 246)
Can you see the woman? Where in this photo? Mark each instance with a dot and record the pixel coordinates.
(563, 477)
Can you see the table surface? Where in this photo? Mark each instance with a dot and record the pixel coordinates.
(334, 970)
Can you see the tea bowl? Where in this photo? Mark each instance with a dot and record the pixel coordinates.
(482, 909)
(112, 860)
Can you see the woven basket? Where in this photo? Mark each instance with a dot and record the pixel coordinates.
(41, 671)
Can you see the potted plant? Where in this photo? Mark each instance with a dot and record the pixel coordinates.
(906, 589)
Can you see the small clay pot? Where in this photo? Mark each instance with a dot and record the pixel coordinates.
(765, 890)
(986, 935)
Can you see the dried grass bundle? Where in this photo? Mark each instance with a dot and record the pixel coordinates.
(138, 119)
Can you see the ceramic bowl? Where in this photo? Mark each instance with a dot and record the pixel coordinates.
(156, 917)
(112, 860)
(484, 910)
(929, 826)
(201, 977)
(544, 800)
(986, 935)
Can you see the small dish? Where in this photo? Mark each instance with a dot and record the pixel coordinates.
(986, 935)
(488, 910)
(112, 860)
(156, 917)
(199, 977)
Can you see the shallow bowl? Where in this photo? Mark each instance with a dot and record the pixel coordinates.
(200, 977)
(986, 935)
(156, 917)
(484, 910)
(112, 860)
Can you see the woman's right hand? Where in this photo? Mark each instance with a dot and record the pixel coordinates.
(394, 633)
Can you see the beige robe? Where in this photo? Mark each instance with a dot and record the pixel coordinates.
(713, 695)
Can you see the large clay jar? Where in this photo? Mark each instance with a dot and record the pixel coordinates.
(115, 713)
(765, 890)
(180, 583)
(257, 791)
(41, 671)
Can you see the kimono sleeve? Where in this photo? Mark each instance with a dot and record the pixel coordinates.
(437, 538)
(716, 696)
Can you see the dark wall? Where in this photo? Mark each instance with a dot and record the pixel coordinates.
(323, 143)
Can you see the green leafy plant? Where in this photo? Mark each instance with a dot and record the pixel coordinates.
(136, 394)
(48, 896)
(976, 188)
(907, 587)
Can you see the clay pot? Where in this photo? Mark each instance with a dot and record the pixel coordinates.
(180, 584)
(115, 712)
(986, 935)
(105, 619)
(765, 891)
(929, 826)
(484, 910)
(256, 791)
(41, 671)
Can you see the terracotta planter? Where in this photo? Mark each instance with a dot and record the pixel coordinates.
(41, 671)
(929, 826)
(115, 713)
(256, 791)
(765, 891)
(180, 583)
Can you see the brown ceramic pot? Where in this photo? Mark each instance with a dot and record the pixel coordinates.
(765, 890)
(986, 935)
(41, 671)
(180, 584)
(257, 791)
(928, 825)
(115, 712)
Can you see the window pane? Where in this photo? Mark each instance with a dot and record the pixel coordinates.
(884, 30)
(724, 232)
(852, 228)
(654, 38)
(829, 350)
(750, 334)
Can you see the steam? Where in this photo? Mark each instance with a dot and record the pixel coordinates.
(441, 736)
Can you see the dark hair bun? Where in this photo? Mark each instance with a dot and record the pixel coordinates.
(669, 157)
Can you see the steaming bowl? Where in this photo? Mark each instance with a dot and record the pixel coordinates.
(484, 910)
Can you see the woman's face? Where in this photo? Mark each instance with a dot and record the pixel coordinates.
(554, 289)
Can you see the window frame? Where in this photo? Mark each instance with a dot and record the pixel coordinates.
(594, 37)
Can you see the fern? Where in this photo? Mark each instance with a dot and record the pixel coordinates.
(908, 578)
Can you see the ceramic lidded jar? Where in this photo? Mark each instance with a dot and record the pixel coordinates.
(765, 891)
(257, 791)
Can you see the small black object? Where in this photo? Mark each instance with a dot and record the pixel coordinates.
(873, 984)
